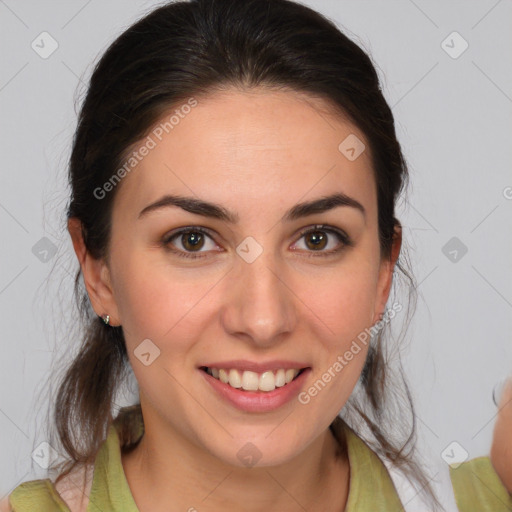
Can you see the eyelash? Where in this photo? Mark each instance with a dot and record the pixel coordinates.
(343, 237)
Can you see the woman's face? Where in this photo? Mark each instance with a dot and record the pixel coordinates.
(258, 292)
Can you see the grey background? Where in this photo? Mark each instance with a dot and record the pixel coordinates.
(453, 116)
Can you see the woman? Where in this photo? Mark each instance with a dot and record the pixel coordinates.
(234, 177)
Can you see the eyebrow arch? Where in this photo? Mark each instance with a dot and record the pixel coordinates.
(216, 211)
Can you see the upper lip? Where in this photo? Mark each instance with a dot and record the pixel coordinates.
(243, 364)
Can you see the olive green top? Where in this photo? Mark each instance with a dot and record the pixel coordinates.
(477, 486)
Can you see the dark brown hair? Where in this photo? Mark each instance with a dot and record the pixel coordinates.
(190, 49)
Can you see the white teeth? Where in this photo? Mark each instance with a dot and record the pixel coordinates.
(289, 375)
(280, 378)
(252, 381)
(235, 380)
(266, 381)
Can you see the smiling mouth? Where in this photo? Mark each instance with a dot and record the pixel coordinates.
(253, 381)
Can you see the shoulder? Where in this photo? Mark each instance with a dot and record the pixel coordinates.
(33, 495)
(69, 494)
(75, 487)
(371, 486)
(476, 484)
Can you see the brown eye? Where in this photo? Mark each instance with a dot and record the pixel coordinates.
(316, 240)
(321, 237)
(192, 240)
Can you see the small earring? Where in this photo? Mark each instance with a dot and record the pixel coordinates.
(106, 319)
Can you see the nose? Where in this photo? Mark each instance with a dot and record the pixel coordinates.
(261, 305)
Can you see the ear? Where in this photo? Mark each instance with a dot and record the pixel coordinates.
(96, 275)
(387, 267)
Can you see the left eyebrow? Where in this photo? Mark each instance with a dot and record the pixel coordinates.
(321, 205)
(216, 211)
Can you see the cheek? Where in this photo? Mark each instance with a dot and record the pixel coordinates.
(343, 300)
(345, 294)
(346, 308)
(159, 302)
(144, 299)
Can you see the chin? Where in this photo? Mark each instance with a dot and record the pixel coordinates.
(256, 451)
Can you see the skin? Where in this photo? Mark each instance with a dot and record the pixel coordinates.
(501, 450)
(257, 153)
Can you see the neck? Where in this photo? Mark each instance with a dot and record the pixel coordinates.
(166, 470)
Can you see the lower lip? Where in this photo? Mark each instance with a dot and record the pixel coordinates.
(258, 401)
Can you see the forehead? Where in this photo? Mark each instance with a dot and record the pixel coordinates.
(249, 147)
